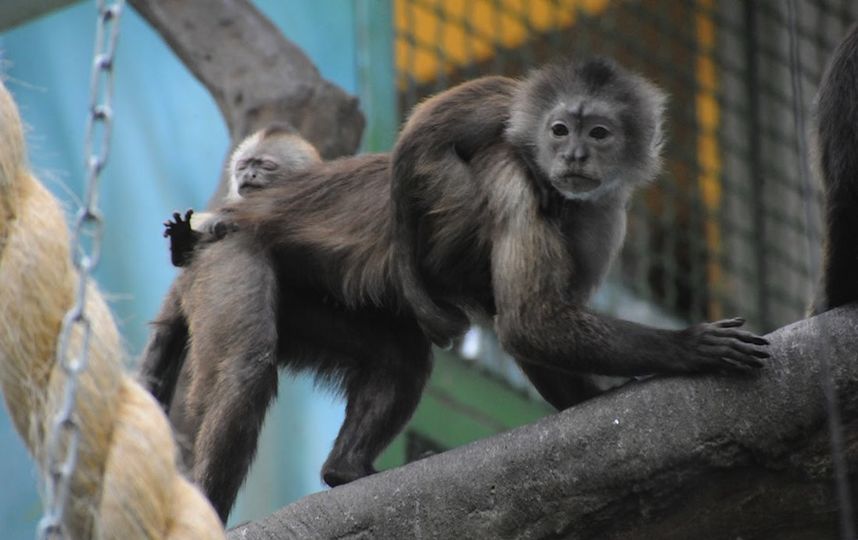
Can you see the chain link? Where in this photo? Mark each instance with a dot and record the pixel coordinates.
(61, 451)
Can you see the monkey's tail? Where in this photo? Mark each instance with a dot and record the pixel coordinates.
(440, 323)
(125, 482)
(837, 148)
(440, 137)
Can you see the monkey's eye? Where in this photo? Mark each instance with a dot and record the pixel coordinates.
(559, 129)
(268, 165)
(600, 132)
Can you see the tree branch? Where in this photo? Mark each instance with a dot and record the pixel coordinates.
(681, 457)
(255, 75)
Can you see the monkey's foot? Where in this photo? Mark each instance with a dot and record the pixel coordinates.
(337, 474)
(721, 346)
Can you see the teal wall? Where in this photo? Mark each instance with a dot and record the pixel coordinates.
(169, 144)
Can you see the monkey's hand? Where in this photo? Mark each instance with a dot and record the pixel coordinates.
(721, 346)
(182, 237)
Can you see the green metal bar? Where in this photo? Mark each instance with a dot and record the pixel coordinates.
(376, 72)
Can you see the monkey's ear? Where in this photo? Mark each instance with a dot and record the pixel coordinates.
(655, 102)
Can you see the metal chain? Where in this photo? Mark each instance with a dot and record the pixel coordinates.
(61, 451)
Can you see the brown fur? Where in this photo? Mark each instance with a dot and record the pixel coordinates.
(543, 252)
(478, 218)
(324, 315)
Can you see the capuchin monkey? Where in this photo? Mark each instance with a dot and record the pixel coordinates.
(266, 157)
(520, 217)
(506, 201)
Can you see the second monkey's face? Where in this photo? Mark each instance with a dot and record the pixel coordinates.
(254, 172)
(264, 159)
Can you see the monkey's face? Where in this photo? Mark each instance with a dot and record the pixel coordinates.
(265, 158)
(579, 148)
(254, 172)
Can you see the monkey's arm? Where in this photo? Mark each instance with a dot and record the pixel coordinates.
(542, 320)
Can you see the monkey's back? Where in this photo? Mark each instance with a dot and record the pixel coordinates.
(328, 226)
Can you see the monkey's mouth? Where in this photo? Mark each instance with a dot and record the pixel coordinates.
(249, 186)
(578, 183)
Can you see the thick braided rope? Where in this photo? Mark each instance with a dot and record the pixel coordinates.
(125, 484)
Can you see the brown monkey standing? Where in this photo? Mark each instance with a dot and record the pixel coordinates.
(507, 201)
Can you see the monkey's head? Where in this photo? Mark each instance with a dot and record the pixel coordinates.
(268, 156)
(588, 129)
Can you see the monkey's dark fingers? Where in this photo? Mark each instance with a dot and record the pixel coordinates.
(712, 363)
(743, 347)
(733, 357)
(730, 323)
(188, 213)
(741, 358)
(168, 228)
(741, 335)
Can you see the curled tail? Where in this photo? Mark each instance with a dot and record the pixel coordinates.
(837, 147)
(441, 135)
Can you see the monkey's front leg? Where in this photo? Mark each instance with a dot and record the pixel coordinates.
(574, 339)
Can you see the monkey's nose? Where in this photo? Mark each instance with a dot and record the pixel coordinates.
(580, 154)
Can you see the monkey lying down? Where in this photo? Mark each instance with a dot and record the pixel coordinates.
(507, 200)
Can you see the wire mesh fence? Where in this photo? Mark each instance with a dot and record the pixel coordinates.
(732, 225)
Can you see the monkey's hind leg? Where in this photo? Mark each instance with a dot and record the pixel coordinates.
(381, 397)
(233, 357)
